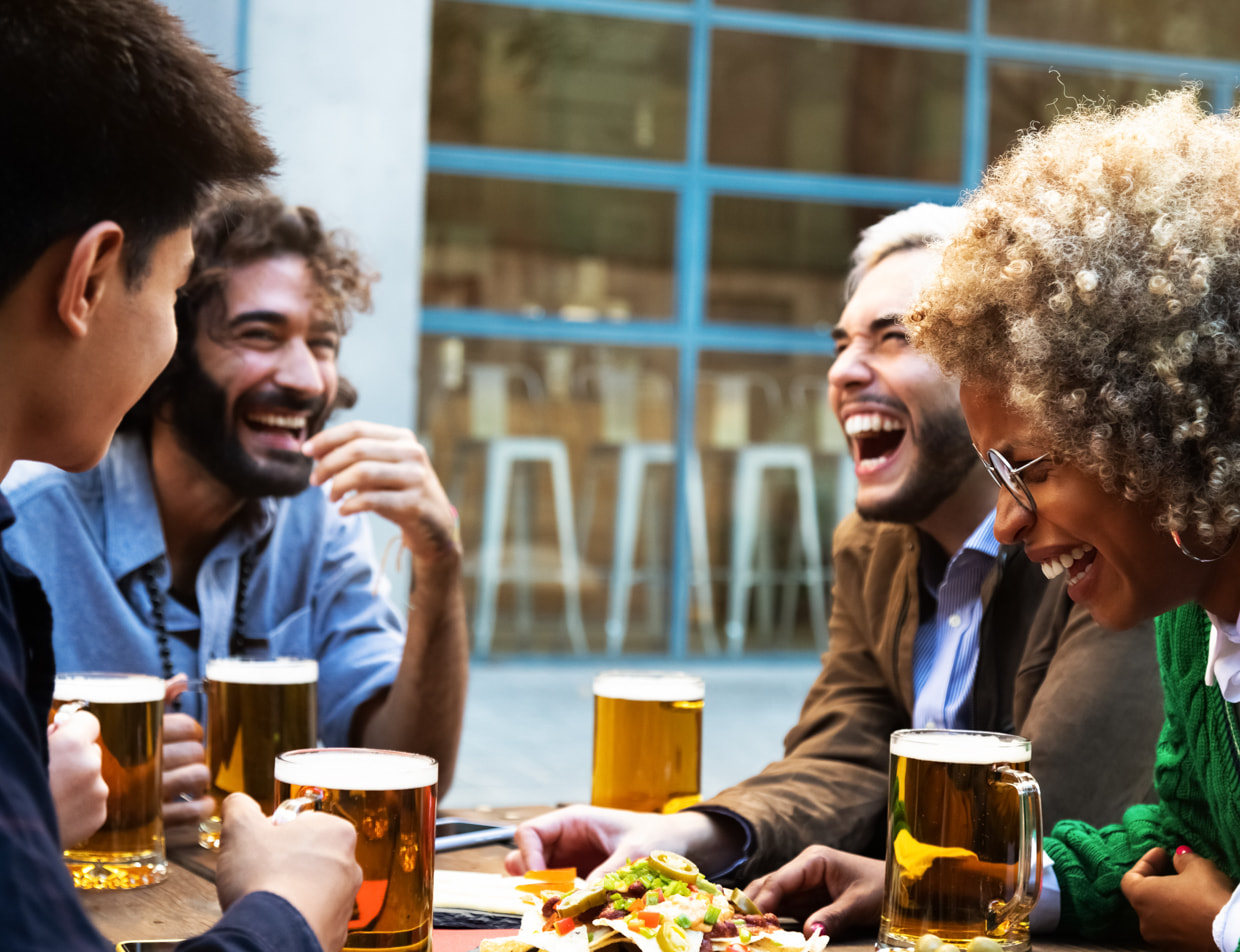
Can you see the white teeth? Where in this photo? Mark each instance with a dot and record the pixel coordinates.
(276, 419)
(1056, 566)
(860, 423)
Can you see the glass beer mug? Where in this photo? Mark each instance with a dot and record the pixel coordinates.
(128, 850)
(647, 740)
(255, 710)
(390, 797)
(964, 839)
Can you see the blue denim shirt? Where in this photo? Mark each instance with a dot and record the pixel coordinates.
(315, 590)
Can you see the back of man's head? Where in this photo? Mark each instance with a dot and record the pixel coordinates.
(923, 225)
(110, 112)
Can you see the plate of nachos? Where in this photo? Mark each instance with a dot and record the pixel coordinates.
(658, 903)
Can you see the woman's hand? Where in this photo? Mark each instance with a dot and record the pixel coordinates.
(834, 891)
(1177, 899)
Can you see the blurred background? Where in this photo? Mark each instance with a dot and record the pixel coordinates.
(613, 235)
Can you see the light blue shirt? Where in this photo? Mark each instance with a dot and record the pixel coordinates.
(946, 645)
(314, 593)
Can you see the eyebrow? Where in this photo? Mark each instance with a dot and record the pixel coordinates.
(878, 325)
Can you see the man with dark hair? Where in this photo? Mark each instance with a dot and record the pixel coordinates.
(210, 528)
(116, 128)
(933, 623)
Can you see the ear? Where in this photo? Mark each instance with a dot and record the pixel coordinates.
(94, 264)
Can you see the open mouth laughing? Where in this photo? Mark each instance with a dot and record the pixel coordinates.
(875, 438)
(1076, 562)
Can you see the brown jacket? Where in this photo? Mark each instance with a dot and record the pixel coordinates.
(1088, 699)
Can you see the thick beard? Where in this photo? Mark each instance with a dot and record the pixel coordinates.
(203, 428)
(944, 458)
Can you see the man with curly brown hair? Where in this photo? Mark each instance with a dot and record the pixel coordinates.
(226, 520)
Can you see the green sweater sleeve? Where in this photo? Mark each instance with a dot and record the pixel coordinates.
(1198, 784)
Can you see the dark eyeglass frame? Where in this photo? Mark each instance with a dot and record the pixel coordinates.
(1007, 476)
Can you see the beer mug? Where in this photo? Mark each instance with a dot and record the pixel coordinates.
(647, 740)
(390, 797)
(128, 850)
(255, 710)
(964, 840)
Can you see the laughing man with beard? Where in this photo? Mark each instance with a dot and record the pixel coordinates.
(225, 519)
(933, 623)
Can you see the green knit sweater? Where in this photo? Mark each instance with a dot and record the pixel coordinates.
(1196, 774)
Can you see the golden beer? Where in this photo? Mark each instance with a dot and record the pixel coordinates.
(647, 741)
(255, 710)
(128, 851)
(390, 798)
(964, 839)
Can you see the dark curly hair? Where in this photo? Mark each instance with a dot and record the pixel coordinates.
(1097, 282)
(239, 229)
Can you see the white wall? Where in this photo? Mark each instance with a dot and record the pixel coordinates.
(341, 92)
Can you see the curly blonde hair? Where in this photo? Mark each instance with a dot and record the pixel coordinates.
(1098, 277)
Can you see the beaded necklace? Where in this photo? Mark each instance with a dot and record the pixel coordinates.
(159, 610)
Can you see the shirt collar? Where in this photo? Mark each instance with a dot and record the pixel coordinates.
(983, 538)
(134, 535)
(1223, 660)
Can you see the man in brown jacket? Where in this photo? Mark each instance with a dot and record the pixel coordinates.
(933, 623)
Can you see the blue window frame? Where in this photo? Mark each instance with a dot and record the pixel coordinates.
(695, 181)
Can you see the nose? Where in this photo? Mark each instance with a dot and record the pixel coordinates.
(298, 368)
(850, 368)
(1012, 520)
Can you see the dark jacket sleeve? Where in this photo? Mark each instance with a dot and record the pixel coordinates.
(260, 922)
(1095, 715)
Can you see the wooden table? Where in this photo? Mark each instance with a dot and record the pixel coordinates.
(185, 904)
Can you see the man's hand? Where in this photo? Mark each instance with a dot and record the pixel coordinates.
(75, 762)
(185, 764)
(309, 861)
(383, 469)
(1177, 899)
(839, 890)
(595, 839)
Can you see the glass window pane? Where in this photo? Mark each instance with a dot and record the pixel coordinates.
(1194, 28)
(768, 444)
(946, 14)
(542, 249)
(537, 79)
(812, 105)
(590, 406)
(1021, 95)
(781, 262)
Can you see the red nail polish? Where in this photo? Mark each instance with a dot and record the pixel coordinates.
(1181, 850)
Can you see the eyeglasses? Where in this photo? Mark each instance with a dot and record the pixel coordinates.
(1008, 477)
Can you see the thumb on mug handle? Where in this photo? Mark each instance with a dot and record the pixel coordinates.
(290, 810)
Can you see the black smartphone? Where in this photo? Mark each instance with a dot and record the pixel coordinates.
(454, 834)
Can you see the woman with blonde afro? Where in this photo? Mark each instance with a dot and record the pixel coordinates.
(1091, 310)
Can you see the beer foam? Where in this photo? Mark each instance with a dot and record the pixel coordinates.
(109, 689)
(356, 768)
(276, 671)
(649, 686)
(960, 747)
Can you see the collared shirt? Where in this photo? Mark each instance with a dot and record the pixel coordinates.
(314, 591)
(946, 646)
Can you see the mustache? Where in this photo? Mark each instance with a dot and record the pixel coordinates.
(286, 401)
(881, 400)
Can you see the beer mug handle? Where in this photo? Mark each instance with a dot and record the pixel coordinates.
(1030, 860)
(289, 810)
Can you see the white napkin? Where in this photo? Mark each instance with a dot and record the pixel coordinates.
(483, 892)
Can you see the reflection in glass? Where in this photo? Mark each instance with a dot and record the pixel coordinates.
(1194, 29)
(1021, 96)
(537, 79)
(783, 102)
(546, 250)
(781, 263)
